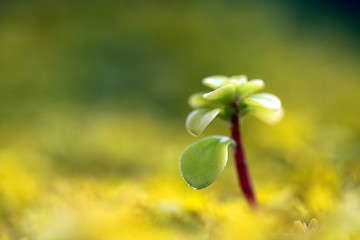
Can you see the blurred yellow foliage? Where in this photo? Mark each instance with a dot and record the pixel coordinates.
(18, 187)
(127, 198)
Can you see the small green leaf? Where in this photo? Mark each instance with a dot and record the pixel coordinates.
(214, 81)
(199, 119)
(263, 100)
(197, 100)
(270, 116)
(265, 106)
(225, 94)
(239, 79)
(250, 87)
(202, 162)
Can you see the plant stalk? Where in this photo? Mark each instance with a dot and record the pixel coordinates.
(241, 166)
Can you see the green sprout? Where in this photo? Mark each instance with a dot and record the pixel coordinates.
(232, 98)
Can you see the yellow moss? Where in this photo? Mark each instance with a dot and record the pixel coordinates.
(142, 204)
(18, 187)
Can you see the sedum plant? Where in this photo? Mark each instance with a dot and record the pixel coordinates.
(231, 99)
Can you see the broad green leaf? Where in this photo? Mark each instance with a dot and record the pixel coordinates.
(225, 94)
(197, 100)
(202, 162)
(199, 119)
(214, 81)
(270, 116)
(263, 100)
(250, 87)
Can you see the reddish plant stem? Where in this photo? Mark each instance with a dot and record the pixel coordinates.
(239, 156)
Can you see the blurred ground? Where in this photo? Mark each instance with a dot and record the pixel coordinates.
(93, 98)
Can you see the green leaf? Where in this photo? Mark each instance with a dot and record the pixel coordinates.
(263, 100)
(237, 80)
(270, 116)
(202, 162)
(199, 119)
(218, 81)
(265, 106)
(250, 87)
(214, 81)
(225, 94)
(197, 100)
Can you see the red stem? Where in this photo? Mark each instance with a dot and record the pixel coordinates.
(242, 170)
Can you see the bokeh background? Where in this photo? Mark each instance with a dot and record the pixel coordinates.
(93, 97)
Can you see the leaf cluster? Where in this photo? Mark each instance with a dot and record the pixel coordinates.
(229, 96)
(202, 162)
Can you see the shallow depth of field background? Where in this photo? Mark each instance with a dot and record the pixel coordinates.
(93, 97)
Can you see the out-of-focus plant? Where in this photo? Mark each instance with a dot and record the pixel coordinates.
(303, 231)
(232, 98)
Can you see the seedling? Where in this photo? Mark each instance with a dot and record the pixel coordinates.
(232, 98)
